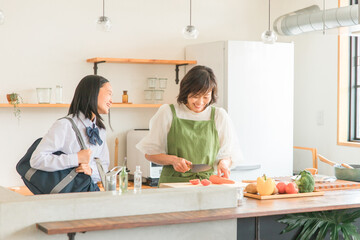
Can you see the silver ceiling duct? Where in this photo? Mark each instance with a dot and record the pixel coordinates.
(311, 19)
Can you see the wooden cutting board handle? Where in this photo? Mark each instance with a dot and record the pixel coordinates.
(116, 162)
(327, 161)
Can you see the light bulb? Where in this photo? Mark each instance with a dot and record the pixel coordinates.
(190, 32)
(2, 17)
(269, 37)
(104, 23)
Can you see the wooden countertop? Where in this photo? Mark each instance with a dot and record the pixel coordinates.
(331, 200)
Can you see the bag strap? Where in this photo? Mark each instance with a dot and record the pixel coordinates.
(66, 180)
(101, 172)
(77, 132)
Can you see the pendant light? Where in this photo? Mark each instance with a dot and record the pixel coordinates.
(190, 32)
(2, 17)
(104, 23)
(269, 36)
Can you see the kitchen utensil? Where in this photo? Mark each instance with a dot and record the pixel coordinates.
(334, 164)
(108, 179)
(313, 171)
(195, 168)
(116, 152)
(342, 172)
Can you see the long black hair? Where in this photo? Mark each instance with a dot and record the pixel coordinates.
(85, 99)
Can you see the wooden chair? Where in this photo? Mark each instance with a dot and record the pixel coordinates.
(314, 155)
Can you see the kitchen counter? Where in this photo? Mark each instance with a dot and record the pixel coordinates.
(215, 201)
(19, 214)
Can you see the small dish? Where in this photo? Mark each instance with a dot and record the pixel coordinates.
(319, 178)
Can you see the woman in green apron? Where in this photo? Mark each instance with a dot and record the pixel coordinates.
(191, 132)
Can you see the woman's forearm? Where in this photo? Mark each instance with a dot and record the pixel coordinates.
(162, 159)
(179, 164)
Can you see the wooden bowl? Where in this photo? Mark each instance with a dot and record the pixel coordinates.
(313, 171)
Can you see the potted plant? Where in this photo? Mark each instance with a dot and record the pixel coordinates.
(317, 224)
(15, 99)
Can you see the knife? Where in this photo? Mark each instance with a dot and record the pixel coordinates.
(195, 168)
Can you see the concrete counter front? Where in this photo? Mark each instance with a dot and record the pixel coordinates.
(19, 214)
(169, 213)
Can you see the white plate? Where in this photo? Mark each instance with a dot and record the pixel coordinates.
(319, 178)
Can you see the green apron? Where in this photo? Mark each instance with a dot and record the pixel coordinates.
(196, 141)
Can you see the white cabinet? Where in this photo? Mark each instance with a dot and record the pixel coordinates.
(256, 82)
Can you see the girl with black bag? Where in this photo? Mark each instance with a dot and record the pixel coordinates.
(93, 96)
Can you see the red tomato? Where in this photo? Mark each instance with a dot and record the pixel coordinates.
(195, 181)
(281, 186)
(291, 188)
(205, 182)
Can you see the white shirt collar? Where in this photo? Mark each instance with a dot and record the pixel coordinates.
(187, 110)
(87, 122)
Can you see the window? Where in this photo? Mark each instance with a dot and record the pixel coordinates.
(348, 122)
(354, 87)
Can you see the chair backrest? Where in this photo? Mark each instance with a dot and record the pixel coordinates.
(314, 155)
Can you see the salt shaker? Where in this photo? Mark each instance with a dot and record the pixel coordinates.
(239, 195)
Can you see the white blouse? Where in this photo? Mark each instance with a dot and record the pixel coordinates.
(62, 137)
(155, 142)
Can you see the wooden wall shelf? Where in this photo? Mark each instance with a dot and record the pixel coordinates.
(115, 105)
(177, 63)
(140, 61)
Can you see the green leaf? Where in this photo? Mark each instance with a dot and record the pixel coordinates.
(322, 233)
(319, 223)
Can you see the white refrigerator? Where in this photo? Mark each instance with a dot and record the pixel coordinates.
(256, 87)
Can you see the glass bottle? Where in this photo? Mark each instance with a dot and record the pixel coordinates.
(123, 180)
(58, 94)
(125, 97)
(137, 180)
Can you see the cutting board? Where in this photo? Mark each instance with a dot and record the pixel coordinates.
(280, 196)
(330, 186)
(187, 185)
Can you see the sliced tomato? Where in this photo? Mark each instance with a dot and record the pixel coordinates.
(205, 182)
(195, 181)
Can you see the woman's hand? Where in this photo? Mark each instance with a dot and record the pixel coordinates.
(84, 156)
(181, 164)
(224, 167)
(84, 168)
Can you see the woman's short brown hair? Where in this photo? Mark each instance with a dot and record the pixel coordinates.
(199, 80)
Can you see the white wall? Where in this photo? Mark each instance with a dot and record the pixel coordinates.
(316, 62)
(45, 43)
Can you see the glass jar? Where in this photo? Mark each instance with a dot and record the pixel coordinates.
(43, 95)
(148, 94)
(151, 82)
(162, 83)
(158, 95)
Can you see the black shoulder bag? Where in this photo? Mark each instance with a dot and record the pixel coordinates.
(62, 181)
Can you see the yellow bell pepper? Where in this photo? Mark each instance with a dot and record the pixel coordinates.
(265, 186)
